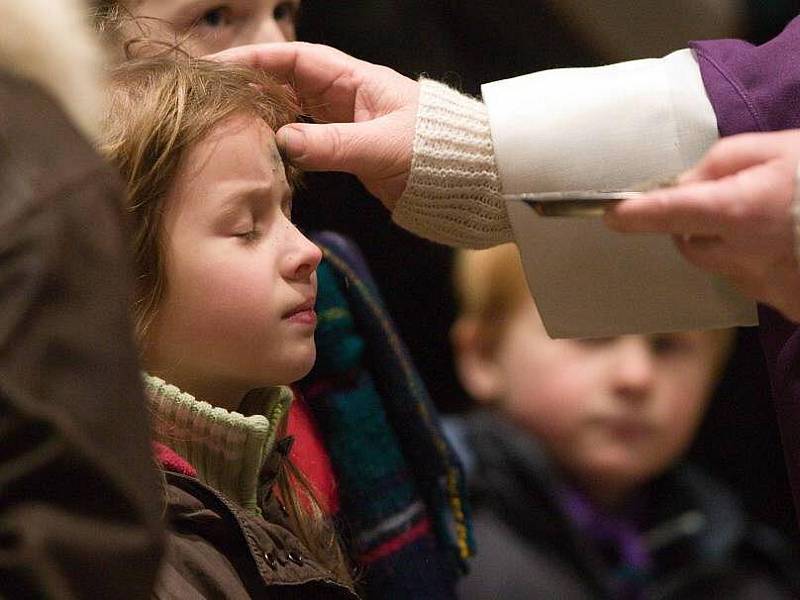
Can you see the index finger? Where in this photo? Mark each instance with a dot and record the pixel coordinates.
(694, 208)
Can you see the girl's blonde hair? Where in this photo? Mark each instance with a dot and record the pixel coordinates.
(158, 109)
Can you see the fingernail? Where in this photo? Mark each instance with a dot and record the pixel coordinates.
(292, 141)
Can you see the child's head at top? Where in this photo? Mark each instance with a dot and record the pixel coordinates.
(225, 282)
(201, 27)
(612, 413)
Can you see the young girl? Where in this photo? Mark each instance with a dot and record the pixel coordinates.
(366, 434)
(224, 312)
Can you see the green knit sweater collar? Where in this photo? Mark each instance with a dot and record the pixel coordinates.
(227, 448)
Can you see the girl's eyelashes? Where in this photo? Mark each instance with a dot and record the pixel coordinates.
(249, 236)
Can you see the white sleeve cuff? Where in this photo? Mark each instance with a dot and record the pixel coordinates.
(604, 128)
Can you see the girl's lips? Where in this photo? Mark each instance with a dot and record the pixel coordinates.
(303, 314)
(303, 317)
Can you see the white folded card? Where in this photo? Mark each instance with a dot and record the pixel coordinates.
(589, 281)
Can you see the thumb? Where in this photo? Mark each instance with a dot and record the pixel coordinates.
(329, 147)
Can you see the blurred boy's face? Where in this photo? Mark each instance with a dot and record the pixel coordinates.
(238, 309)
(214, 25)
(612, 412)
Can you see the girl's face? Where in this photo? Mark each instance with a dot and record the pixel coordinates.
(215, 25)
(238, 310)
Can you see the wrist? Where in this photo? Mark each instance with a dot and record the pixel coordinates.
(453, 191)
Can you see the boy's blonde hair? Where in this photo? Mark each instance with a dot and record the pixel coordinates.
(489, 286)
(158, 109)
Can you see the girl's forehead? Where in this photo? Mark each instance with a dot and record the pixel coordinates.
(240, 142)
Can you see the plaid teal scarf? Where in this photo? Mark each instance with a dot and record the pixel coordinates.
(403, 508)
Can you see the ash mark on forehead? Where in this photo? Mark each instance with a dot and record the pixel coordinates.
(277, 159)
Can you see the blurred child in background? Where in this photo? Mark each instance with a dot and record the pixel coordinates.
(575, 463)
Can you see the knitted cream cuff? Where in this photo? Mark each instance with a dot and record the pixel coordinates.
(453, 191)
(227, 448)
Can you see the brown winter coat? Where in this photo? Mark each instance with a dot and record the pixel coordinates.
(79, 495)
(218, 550)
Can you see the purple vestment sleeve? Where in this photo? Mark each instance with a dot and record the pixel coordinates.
(757, 88)
(753, 88)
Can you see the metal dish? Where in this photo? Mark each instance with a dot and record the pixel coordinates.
(573, 204)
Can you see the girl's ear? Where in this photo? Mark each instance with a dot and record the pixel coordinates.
(475, 355)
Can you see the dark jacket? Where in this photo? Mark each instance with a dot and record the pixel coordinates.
(217, 549)
(79, 497)
(702, 545)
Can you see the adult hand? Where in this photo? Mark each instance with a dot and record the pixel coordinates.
(368, 113)
(732, 215)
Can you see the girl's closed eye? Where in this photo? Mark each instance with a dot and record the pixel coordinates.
(247, 232)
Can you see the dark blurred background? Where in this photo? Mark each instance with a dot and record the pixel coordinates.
(469, 43)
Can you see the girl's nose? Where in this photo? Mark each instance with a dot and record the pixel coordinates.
(304, 258)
